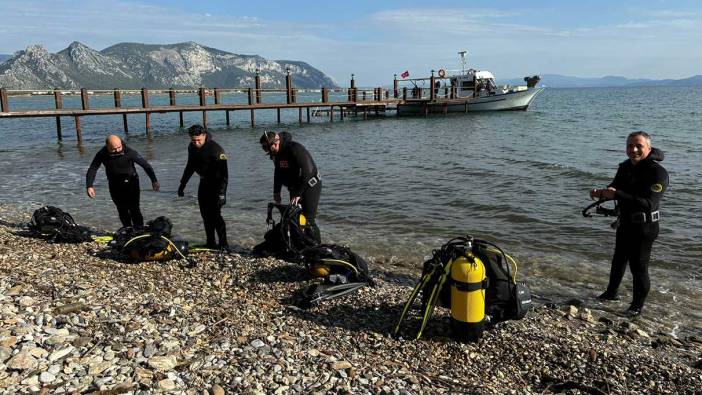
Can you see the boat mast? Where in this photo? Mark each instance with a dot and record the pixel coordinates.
(462, 54)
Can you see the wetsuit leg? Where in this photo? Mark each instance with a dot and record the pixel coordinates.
(119, 192)
(133, 203)
(208, 198)
(638, 262)
(619, 261)
(310, 201)
(205, 202)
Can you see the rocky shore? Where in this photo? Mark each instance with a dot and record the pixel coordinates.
(74, 319)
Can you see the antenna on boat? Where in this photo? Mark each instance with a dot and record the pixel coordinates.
(462, 54)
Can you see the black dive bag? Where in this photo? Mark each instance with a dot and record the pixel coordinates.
(334, 260)
(152, 243)
(58, 226)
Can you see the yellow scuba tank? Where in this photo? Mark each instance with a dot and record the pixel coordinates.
(303, 220)
(468, 283)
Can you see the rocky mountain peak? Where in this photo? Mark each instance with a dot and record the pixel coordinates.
(133, 65)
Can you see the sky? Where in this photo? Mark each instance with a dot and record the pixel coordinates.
(375, 39)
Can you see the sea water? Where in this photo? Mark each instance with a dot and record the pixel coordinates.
(396, 188)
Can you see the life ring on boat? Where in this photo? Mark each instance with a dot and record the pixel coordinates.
(442, 73)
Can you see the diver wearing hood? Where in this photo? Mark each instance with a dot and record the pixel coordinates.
(122, 178)
(295, 168)
(638, 188)
(208, 159)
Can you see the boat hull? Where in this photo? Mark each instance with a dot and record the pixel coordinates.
(511, 101)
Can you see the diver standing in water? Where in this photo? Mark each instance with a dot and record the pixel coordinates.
(638, 188)
(295, 168)
(208, 159)
(122, 178)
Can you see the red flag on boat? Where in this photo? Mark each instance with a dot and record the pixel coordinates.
(405, 74)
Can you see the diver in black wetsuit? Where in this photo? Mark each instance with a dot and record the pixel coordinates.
(208, 159)
(122, 178)
(638, 188)
(295, 168)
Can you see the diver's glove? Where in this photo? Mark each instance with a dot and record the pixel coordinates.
(222, 200)
(181, 190)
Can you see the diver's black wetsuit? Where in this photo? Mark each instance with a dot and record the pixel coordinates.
(639, 188)
(295, 168)
(210, 163)
(123, 181)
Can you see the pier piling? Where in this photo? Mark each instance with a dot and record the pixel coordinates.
(59, 105)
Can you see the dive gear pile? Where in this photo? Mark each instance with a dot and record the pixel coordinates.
(286, 238)
(57, 226)
(476, 280)
(336, 269)
(152, 243)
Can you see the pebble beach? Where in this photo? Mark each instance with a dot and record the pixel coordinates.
(74, 318)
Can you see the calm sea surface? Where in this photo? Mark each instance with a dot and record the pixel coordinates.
(394, 188)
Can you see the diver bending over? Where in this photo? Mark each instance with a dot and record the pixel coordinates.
(295, 168)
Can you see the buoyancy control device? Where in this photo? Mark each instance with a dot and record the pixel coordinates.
(474, 279)
(58, 226)
(152, 243)
(286, 238)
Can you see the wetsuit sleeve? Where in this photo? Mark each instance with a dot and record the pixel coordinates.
(650, 198)
(138, 159)
(616, 182)
(189, 168)
(92, 170)
(304, 160)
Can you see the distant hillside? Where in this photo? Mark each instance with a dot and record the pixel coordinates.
(564, 81)
(4, 57)
(132, 65)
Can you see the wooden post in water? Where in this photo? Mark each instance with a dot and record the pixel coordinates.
(258, 87)
(404, 93)
(84, 99)
(59, 105)
(278, 111)
(395, 85)
(172, 101)
(79, 132)
(85, 105)
(253, 114)
(308, 115)
(341, 112)
(118, 104)
(203, 100)
(453, 89)
(299, 114)
(4, 103)
(145, 104)
(288, 86)
(432, 91)
(331, 113)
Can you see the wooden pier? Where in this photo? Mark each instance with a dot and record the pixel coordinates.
(351, 100)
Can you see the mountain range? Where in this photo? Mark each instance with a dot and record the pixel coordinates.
(133, 65)
(564, 81)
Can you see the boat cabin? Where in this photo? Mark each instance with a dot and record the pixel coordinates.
(474, 83)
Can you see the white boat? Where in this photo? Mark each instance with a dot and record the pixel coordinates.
(470, 90)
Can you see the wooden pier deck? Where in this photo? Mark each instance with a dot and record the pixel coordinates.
(357, 101)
